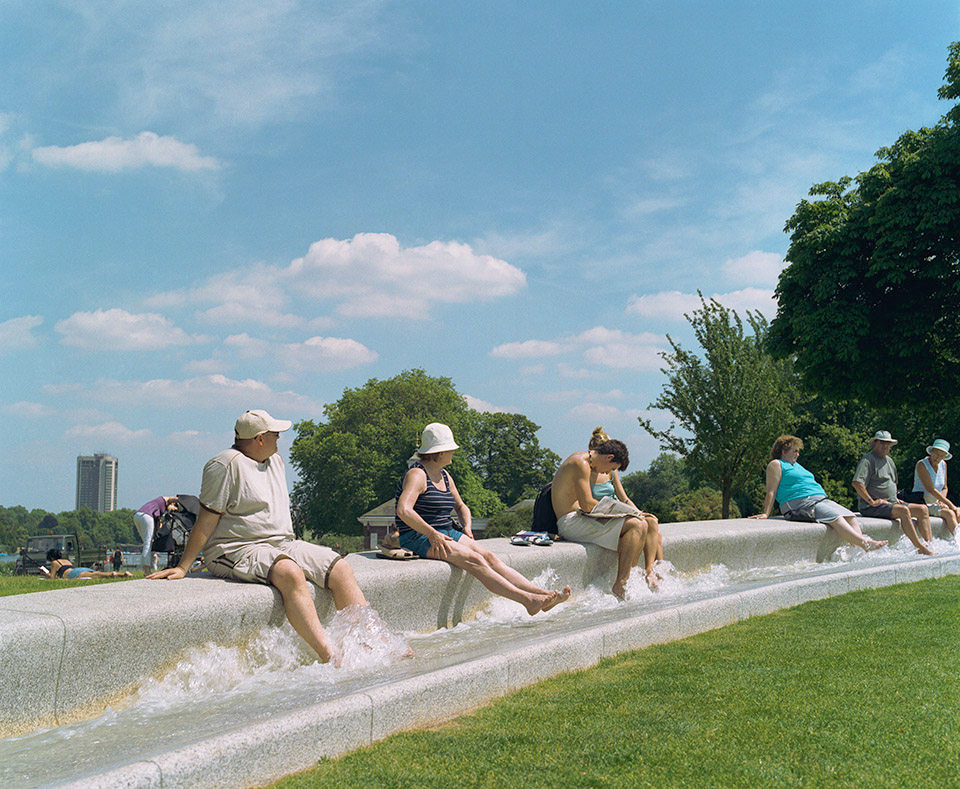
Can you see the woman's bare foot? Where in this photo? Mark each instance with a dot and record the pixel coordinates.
(653, 580)
(556, 598)
(620, 590)
(873, 545)
(923, 549)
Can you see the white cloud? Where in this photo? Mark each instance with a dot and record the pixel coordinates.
(205, 366)
(110, 432)
(488, 408)
(651, 205)
(547, 242)
(528, 349)
(243, 62)
(756, 268)
(114, 154)
(119, 330)
(599, 346)
(27, 410)
(207, 392)
(567, 395)
(370, 275)
(597, 412)
(16, 334)
(322, 354)
(673, 304)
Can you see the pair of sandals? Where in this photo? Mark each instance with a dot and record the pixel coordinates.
(531, 538)
(390, 548)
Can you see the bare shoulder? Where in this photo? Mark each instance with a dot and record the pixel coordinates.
(577, 459)
(415, 477)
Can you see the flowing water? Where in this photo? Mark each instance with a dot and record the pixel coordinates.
(217, 689)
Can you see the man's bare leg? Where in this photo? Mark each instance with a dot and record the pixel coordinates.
(922, 514)
(343, 585)
(287, 576)
(651, 549)
(902, 514)
(633, 537)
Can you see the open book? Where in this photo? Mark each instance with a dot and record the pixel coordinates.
(609, 507)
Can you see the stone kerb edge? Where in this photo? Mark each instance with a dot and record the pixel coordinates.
(433, 595)
(296, 741)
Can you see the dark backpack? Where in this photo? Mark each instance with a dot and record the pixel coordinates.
(544, 518)
(173, 527)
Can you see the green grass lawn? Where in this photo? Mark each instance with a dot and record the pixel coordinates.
(21, 584)
(860, 690)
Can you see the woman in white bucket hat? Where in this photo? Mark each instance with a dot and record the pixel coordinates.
(930, 479)
(426, 495)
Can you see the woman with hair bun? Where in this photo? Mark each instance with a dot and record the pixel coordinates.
(802, 498)
(609, 484)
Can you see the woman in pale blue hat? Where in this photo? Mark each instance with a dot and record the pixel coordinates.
(930, 479)
(426, 497)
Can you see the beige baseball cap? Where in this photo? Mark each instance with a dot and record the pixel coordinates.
(252, 423)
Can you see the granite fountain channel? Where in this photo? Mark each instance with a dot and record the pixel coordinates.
(201, 683)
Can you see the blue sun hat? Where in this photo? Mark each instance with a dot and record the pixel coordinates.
(943, 446)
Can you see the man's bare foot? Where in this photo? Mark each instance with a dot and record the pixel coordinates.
(332, 656)
(653, 581)
(620, 590)
(923, 549)
(556, 598)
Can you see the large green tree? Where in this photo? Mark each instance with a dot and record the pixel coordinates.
(868, 302)
(506, 453)
(351, 462)
(730, 399)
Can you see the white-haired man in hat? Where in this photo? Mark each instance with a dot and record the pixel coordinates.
(245, 531)
(875, 482)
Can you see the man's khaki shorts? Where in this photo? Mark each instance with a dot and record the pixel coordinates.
(253, 562)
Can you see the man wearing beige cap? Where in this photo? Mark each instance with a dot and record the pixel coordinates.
(245, 531)
(875, 482)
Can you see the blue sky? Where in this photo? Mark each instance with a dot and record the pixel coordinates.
(213, 206)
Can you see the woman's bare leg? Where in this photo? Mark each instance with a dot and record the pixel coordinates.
(468, 559)
(849, 530)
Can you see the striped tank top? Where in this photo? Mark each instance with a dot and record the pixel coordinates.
(433, 505)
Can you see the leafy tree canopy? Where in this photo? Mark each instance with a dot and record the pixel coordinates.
(868, 302)
(730, 399)
(507, 455)
(665, 478)
(94, 529)
(352, 462)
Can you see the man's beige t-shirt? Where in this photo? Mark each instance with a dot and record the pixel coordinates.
(252, 500)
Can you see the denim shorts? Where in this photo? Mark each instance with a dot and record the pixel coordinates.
(418, 543)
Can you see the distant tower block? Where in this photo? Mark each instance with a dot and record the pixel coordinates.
(97, 482)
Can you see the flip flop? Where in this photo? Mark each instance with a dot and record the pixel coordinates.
(518, 539)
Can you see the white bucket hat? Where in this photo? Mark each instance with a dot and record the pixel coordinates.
(943, 446)
(883, 435)
(436, 437)
(252, 423)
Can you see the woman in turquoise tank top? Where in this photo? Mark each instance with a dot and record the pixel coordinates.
(610, 485)
(801, 497)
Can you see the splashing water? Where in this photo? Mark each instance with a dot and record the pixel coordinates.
(213, 687)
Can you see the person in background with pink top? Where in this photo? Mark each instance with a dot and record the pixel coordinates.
(145, 519)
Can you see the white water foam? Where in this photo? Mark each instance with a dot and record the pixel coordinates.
(275, 669)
